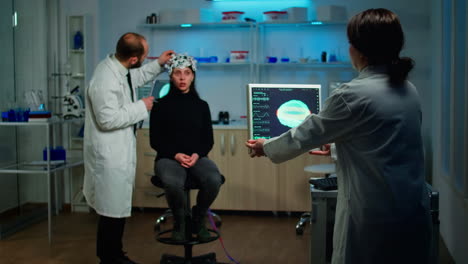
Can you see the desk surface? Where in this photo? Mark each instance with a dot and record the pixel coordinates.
(321, 168)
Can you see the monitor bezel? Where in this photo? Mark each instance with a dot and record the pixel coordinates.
(250, 86)
(159, 89)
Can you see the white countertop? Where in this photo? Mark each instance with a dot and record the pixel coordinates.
(233, 124)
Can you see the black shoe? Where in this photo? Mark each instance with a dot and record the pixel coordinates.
(122, 259)
(125, 260)
(178, 232)
(199, 225)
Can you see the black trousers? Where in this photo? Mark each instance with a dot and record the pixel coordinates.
(109, 238)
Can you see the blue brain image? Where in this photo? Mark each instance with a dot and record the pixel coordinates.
(292, 113)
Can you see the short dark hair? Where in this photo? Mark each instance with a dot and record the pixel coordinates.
(378, 35)
(130, 45)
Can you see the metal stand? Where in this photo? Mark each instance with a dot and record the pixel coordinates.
(322, 221)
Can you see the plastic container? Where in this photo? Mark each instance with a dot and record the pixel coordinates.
(232, 17)
(78, 41)
(273, 16)
(57, 153)
(239, 56)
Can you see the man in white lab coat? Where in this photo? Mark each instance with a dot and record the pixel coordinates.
(109, 138)
(382, 213)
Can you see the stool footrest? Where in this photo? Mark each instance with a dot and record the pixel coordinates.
(209, 258)
(192, 241)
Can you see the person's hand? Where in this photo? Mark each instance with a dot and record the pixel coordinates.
(193, 159)
(255, 147)
(183, 159)
(165, 56)
(148, 102)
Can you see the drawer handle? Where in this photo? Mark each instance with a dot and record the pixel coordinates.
(150, 154)
(223, 147)
(233, 145)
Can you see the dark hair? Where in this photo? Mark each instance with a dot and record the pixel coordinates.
(130, 45)
(174, 91)
(378, 35)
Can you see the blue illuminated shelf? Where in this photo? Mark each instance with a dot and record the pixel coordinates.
(223, 64)
(198, 25)
(313, 64)
(302, 24)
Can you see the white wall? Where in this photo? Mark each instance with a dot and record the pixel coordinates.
(31, 73)
(453, 206)
(8, 184)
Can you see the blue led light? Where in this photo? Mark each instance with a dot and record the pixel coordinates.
(185, 25)
(316, 22)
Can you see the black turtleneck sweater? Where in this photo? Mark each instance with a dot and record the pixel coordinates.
(181, 123)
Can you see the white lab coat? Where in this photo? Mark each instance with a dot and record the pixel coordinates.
(109, 139)
(382, 213)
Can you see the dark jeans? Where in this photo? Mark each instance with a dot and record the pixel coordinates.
(109, 238)
(173, 176)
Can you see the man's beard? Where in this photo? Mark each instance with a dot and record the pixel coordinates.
(137, 64)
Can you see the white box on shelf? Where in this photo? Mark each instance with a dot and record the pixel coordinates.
(194, 15)
(274, 16)
(238, 56)
(331, 13)
(297, 14)
(232, 17)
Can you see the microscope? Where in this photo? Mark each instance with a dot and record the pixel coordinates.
(73, 105)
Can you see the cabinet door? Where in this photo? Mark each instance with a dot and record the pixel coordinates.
(218, 153)
(144, 194)
(294, 188)
(251, 184)
(145, 159)
(219, 156)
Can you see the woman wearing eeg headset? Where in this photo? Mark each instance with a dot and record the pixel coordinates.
(182, 135)
(382, 213)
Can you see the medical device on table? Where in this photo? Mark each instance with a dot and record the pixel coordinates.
(73, 105)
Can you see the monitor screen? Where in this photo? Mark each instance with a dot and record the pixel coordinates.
(276, 108)
(160, 89)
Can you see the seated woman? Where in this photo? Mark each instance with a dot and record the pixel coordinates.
(182, 135)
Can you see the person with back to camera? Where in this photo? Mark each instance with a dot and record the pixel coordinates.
(382, 213)
(182, 135)
(109, 148)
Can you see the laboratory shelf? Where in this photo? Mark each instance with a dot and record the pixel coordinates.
(48, 167)
(301, 24)
(313, 64)
(51, 121)
(40, 167)
(198, 25)
(222, 64)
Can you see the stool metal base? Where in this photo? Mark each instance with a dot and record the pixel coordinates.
(305, 217)
(209, 258)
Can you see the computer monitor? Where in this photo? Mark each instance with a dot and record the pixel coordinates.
(276, 108)
(160, 89)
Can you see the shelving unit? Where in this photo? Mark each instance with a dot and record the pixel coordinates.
(298, 41)
(198, 25)
(47, 168)
(80, 74)
(257, 43)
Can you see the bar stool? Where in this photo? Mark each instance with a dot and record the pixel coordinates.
(209, 258)
(324, 169)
